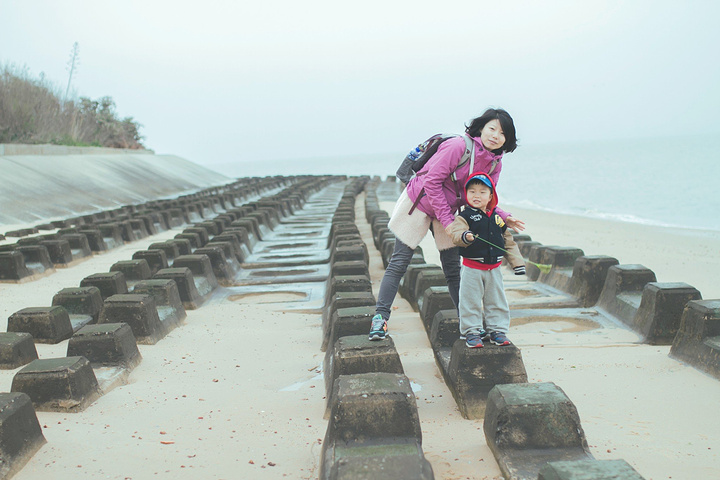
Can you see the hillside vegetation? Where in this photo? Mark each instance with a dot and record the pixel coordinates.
(33, 111)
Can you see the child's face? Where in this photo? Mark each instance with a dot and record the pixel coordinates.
(479, 196)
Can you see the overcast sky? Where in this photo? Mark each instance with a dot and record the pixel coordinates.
(216, 82)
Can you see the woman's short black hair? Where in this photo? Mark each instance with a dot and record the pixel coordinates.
(506, 123)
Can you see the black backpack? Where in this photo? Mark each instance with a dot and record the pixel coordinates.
(419, 156)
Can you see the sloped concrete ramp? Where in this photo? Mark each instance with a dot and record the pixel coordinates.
(35, 188)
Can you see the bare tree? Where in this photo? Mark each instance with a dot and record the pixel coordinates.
(72, 65)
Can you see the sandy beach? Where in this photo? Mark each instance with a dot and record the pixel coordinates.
(674, 254)
(237, 391)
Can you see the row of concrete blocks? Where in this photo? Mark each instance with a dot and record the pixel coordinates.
(373, 424)
(104, 323)
(80, 237)
(184, 209)
(533, 429)
(35, 256)
(662, 313)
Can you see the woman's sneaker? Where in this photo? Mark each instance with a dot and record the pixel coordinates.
(499, 338)
(474, 340)
(378, 328)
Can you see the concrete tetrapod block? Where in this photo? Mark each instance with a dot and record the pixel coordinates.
(347, 283)
(95, 238)
(16, 349)
(12, 267)
(529, 424)
(37, 259)
(193, 238)
(65, 384)
(373, 416)
(59, 252)
(350, 321)
(79, 245)
(183, 246)
(126, 231)
(660, 312)
(112, 234)
(212, 227)
(588, 278)
(343, 300)
(424, 280)
(351, 267)
(562, 260)
(20, 432)
(251, 226)
(109, 344)
(133, 270)
(246, 244)
(356, 354)
(433, 300)
(185, 282)
(526, 245)
(167, 299)
(202, 232)
(473, 372)
(202, 271)
(169, 247)
(222, 268)
(387, 247)
(350, 253)
(45, 324)
(589, 470)
(622, 291)
(109, 283)
(155, 258)
(139, 229)
(138, 311)
(385, 463)
(445, 329)
(698, 339)
(521, 237)
(535, 254)
(233, 238)
(407, 283)
(83, 304)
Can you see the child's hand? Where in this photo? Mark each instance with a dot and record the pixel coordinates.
(468, 237)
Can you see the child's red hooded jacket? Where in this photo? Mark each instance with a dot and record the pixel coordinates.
(486, 252)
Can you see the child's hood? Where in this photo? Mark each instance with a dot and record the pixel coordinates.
(485, 178)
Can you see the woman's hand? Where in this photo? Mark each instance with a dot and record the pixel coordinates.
(515, 223)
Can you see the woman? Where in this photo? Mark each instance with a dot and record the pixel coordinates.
(433, 196)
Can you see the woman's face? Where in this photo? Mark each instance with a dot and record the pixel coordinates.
(492, 136)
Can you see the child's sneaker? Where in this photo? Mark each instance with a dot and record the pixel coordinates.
(378, 329)
(499, 338)
(474, 340)
(482, 334)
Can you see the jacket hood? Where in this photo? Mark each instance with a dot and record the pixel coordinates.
(485, 178)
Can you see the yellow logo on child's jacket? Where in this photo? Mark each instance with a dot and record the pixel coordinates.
(499, 221)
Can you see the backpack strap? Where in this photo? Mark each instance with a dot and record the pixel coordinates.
(468, 155)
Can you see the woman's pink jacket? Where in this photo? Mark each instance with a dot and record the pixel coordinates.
(439, 199)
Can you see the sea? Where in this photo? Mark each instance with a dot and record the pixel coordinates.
(650, 181)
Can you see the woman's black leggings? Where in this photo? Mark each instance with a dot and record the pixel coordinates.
(401, 257)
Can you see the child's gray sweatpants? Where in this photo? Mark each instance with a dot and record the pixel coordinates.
(482, 296)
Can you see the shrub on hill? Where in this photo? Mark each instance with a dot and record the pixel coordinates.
(32, 111)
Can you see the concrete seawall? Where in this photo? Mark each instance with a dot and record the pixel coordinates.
(48, 182)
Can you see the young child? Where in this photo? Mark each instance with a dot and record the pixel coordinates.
(478, 230)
